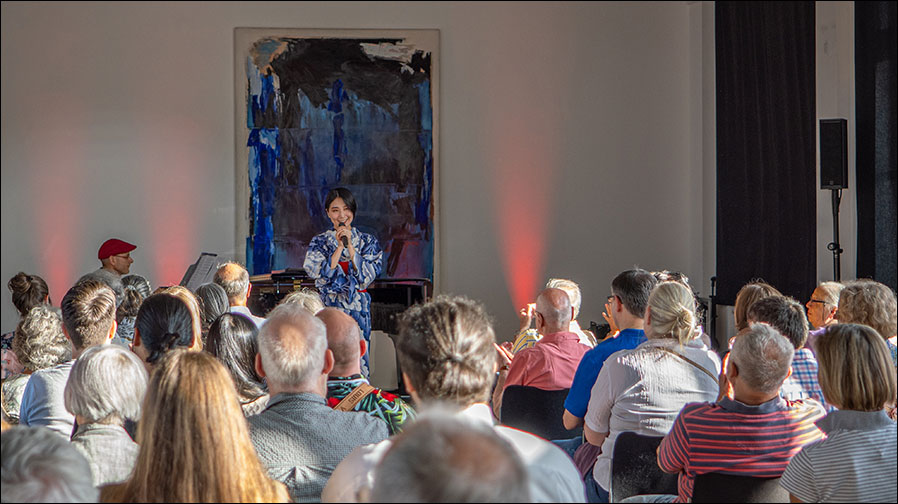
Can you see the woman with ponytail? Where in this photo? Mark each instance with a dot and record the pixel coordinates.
(164, 322)
(642, 390)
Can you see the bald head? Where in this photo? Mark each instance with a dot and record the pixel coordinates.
(554, 306)
(234, 279)
(343, 337)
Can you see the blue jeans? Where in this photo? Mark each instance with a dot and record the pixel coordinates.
(594, 491)
(569, 446)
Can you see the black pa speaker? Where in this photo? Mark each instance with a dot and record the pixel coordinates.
(833, 153)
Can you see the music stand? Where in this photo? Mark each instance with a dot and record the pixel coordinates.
(201, 271)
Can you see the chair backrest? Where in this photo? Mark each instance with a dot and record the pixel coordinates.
(634, 468)
(536, 411)
(719, 487)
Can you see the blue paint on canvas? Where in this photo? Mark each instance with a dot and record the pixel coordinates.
(324, 113)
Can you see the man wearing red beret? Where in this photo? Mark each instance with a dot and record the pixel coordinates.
(115, 255)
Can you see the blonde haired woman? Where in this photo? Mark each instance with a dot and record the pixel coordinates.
(642, 390)
(857, 460)
(194, 441)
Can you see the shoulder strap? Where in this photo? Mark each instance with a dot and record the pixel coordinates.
(354, 397)
(687, 359)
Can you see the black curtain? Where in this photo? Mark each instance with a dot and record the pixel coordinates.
(875, 111)
(766, 163)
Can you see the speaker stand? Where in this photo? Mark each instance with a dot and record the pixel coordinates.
(834, 245)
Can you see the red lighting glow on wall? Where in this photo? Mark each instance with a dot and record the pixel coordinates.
(56, 168)
(522, 164)
(173, 203)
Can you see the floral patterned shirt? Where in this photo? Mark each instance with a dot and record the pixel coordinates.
(383, 405)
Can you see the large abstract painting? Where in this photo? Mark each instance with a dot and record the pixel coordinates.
(318, 109)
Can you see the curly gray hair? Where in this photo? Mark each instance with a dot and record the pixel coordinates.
(39, 342)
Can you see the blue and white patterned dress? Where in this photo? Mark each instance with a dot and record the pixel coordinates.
(343, 290)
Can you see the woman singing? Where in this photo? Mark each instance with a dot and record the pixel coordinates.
(344, 261)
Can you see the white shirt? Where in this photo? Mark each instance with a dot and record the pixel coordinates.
(553, 476)
(643, 390)
(242, 310)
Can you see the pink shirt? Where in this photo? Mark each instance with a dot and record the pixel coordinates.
(550, 364)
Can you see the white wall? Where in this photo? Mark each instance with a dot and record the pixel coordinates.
(835, 99)
(117, 120)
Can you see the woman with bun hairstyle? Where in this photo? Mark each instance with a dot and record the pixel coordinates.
(164, 322)
(27, 292)
(643, 390)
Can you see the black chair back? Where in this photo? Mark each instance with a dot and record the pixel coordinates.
(719, 487)
(634, 468)
(536, 411)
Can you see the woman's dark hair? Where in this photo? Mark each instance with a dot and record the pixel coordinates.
(342, 193)
(29, 291)
(233, 340)
(137, 288)
(164, 322)
(213, 303)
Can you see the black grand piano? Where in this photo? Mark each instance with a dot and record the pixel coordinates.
(389, 296)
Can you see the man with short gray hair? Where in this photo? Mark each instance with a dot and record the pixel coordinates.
(39, 466)
(298, 437)
(234, 279)
(750, 430)
(446, 458)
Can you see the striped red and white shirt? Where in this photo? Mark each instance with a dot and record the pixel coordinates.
(734, 438)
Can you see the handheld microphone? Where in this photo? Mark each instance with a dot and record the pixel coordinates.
(343, 238)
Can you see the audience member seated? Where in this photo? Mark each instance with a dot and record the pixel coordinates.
(233, 340)
(871, 303)
(39, 343)
(111, 280)
(630, 292)
(164, 322)
(750, 430)
(550, 364)
(308, 298)
(446, 458)
(235, 280)
(298, 437)
(347, 389)
(193, 304)
(527, 336)
(106, 386)
(115, 256)
(676, 276)
(213, 303)
(88, 320)
(446, 349)
(27, 291)
(194, 444)
(822, 308)
(747, 295)
(642, 390)
(633, 288)
(136, 289)
(787, 316)
(40, 466)
(857, 460)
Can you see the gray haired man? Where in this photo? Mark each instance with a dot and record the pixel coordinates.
(40, 466)
(298, 437)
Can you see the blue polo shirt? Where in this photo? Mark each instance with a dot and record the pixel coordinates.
(590, 365)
